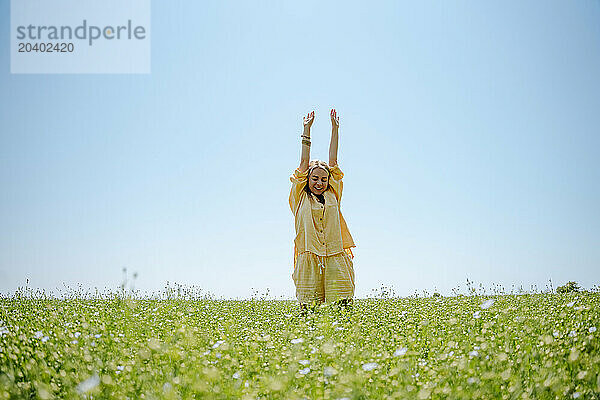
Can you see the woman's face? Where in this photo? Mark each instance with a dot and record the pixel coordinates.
(318, 180)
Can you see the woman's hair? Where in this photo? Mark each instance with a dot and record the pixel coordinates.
(311, 166)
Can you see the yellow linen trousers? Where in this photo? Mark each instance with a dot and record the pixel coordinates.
(323, 278)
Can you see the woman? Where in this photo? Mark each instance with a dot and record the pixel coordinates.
(323, 267)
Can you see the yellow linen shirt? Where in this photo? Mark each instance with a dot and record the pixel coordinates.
(320, 228)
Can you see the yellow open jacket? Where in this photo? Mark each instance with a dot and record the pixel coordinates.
(320, 229)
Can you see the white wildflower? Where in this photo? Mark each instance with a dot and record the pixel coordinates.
(304, 371)
(369, 366)
(474, 353)
(236, 375)
(88, 384)
(219, 342)
(400, 352)
(98, 335)
(304, 362)
(570, 304)
(487, 304)
(38, 334)
(297, 340)
(329, 371)
(476, 314)
(592, 329)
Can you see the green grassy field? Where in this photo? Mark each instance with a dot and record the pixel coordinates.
(538, 346)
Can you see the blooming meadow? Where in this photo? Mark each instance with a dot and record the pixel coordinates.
(502, 346)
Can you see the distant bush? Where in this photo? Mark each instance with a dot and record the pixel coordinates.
(568, 288)
(436, 294)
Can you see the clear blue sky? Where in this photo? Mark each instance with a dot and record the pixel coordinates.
(469, 140)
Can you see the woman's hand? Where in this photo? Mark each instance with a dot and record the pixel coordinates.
(335, 120)
(305, 156)
(333, 145)
(308, 120)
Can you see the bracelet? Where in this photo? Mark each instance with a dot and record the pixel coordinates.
(306, 142)
(304, 136)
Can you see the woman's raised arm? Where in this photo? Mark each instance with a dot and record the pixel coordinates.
(305, 156)
(333, 145)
